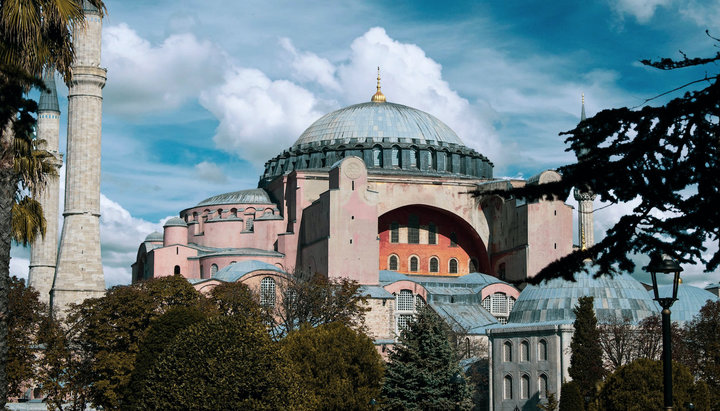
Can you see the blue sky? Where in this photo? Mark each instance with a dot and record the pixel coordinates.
(200, 94)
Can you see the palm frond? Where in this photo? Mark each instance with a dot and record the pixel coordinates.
(27, 221)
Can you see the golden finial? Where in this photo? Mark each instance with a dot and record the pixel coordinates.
(378, 97)
(583, 244)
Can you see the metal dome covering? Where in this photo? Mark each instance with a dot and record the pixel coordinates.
(155, 236)
(175, 222)
(689, 301)
(252, 196)
(375, 122)
(620, 296)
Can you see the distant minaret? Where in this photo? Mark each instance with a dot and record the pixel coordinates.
(43, 253)
(585, 207)
(79, 273)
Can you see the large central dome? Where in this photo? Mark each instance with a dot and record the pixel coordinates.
(378, 122)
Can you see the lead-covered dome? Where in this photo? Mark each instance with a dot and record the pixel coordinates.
(378, 122)
(620, 296)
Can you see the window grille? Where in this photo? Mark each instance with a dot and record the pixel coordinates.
(453, 266)
(434, 265)
(402, 321)
(502, 320)
(267, 292)
(432, 234)
(486, 303)
(413, 264)
(419, 302)
(511, 303)
(507, 388)
(499, 303)
(413, 229)
(394, 232)
(405, 301)
(525, 387)
(393, 264)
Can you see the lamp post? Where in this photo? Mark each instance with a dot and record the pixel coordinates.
(664, 264)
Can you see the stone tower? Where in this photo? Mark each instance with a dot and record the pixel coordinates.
(43, 254)
(585, 207)
(79, 273)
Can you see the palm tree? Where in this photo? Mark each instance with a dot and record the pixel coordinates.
(34, 35)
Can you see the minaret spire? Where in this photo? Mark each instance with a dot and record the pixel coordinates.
(378, 97)
(585, 199)
(582, 112)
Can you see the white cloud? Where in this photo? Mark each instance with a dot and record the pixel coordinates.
(308, 67)
(210, 171)
(642, 10)
(144, 78)
(259, 117)
(704, 13)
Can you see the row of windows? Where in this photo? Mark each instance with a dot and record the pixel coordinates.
(433, 264)
(414, 158)
(498, 304)
(525, 351)
(524, 387)
(413, 232)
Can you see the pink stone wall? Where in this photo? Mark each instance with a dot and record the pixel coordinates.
(175, 235)
(165, 259)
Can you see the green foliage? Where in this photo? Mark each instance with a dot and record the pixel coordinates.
(109, 330)
(639, 386)
(235, 299)
(586, 367)
(25, 315)
(571, 398)
(161, 332)
(220, 364)
(422, 368)
(550, 404)
(341, 368)
(703, 348)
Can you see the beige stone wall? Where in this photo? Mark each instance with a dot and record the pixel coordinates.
(380, 320)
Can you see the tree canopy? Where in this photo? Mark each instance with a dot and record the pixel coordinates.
(586, 367)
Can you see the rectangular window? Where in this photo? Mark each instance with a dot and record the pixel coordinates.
(499, 303)
(413, 229)
(432, 234)
(405, 301)
(402, 321)
(394, 232)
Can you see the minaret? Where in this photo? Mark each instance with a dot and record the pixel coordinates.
(79, 273)
(585, 206)
(43, 253)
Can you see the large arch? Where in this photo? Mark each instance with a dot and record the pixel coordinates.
(455, 238)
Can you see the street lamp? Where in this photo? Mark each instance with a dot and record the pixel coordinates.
(662, 263)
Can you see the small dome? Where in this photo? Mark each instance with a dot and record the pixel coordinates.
(155, 236)
(375, 122)
(620, 296)
(175, 222)
(252, 196)
(689, 301)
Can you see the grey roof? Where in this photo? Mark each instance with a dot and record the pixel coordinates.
(154, 236)
(689, 301)
(376, 121)
(620, 296)
(87, 7)
(48, 98)
(175, 222)
(252, 196)
(375, 291)
(470, 318)
(235, 271)
(467, 280)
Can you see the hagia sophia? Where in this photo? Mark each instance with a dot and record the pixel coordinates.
(377, 192)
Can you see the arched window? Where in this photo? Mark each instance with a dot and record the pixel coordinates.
(233, 212)
(434, 265)
(396, 156)
(432, 233)
(219, 213)
(511, 303)
(176, 271)
(393, 263)
(394, 232)
(213, 269)
(453, 266)
(525, 387)
(524, 351)
(542, 386)
(431, 160)
(267, 292)
(542, 350)
(473, 265)
(377, 156)
(486, 303)
(414, 157)
(405, 301)
(507, 388)
(413, 229)
(499, 304)
(233, 262)
(507, 351)
(249, 224)
(414, 262)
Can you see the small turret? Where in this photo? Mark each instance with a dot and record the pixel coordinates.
(176, 232)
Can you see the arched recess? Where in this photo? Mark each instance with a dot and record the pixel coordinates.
(469, 243)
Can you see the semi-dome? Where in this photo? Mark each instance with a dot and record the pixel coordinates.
(155, 236)
(252, 196)
(689, 301)
(175, 222)
(620, 296)
(378, 122)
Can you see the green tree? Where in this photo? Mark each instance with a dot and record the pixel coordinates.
(161, 332)
(639, 386)
(226, 362)
(108, 330)
(34, 35)
(341, 368)
(422, 368)
(235, 299)
(571, 398)
(703, 348)
(551, 404)
(667, 156)
(586, 367)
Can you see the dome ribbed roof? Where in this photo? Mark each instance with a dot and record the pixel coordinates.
(175, 222)
(689, 301)
(377, 121)
(620, 296)
(155, 236)
(252, 196)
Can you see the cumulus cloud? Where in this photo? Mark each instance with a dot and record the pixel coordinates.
(309, 67)
(150, 78)
(641, 10)
(209, 171)
(259, 117)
